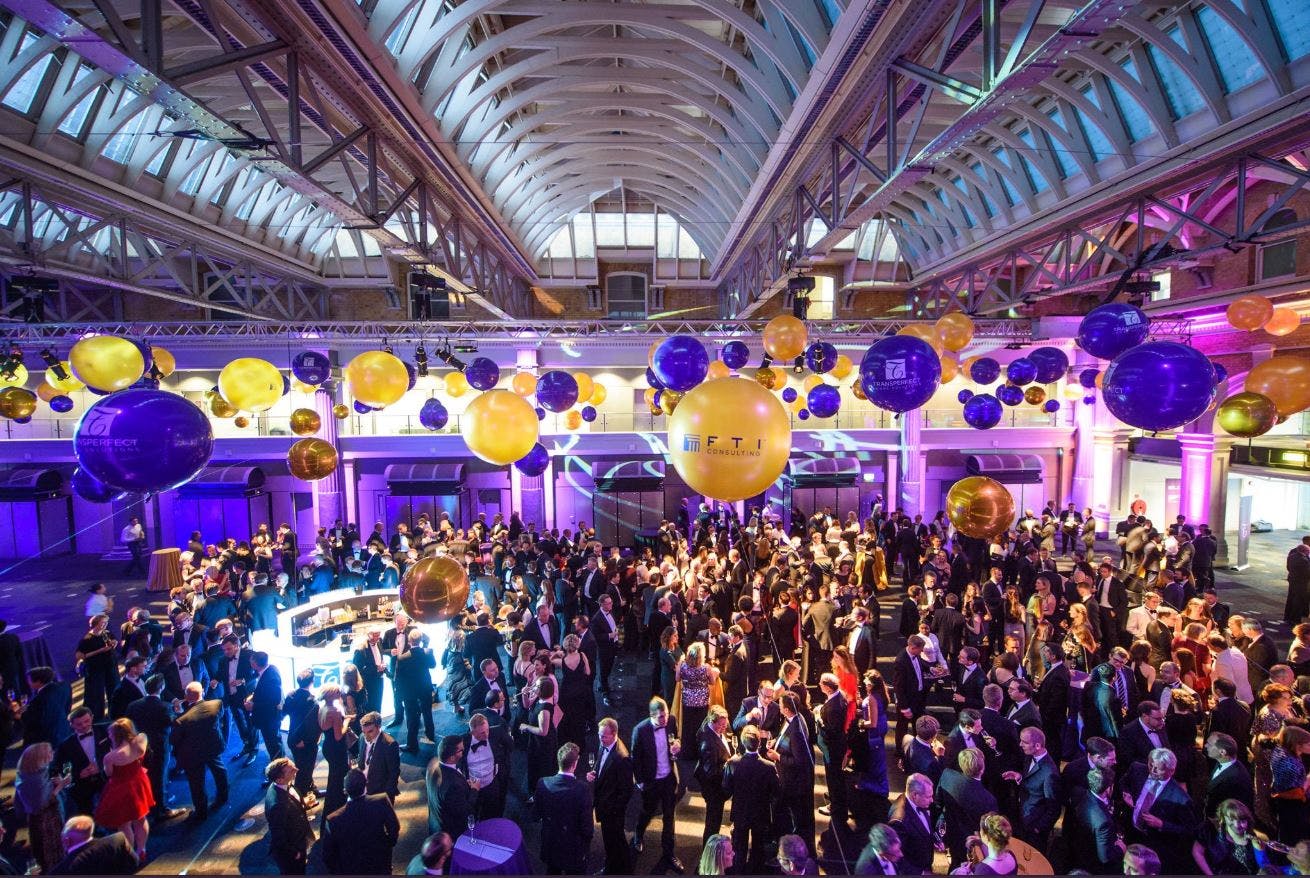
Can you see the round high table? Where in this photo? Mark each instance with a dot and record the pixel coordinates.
(165, 570)
(492, 847)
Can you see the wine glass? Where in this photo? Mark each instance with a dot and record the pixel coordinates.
(591, 761)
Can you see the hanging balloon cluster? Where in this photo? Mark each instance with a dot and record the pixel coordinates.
(1275, 389)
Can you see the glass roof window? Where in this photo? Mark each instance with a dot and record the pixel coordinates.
(580, 237)
(23, 92)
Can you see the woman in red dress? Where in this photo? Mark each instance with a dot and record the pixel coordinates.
(844, 667)
(126, 799)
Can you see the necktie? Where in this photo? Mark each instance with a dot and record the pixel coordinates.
(1144, 802)
(918, 672)
(1121, 689)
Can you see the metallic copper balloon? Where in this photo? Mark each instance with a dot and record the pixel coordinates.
(656, 410)
(435, 589)
(341, 411)
(1247, 414)
(305, 422)
(858, 390)
(669, 400)
(220, 407)
(979, 507)
(242, 421)
(312, 459)
(767, 377)
(17, 402)
(1034, 396)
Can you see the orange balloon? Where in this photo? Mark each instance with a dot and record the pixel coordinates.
(811, 382)
(1283, 322)
(1100, 376)
(718, 369)
(966, 366)
(46, 393)
(950, 368)
(955, 330)
(785, 337)
(585, 385)
(843, 368)
(435, 589)
(925, 332)
(573, 418)
(979, 507)
(312, 459)
(1034, 395)
(1285, 380)
(858, 390)
(1250, 312)
(524, 383)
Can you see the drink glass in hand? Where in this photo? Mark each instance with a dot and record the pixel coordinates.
(472, 822)
(591, 761)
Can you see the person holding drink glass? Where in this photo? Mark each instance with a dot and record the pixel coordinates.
(655, 750)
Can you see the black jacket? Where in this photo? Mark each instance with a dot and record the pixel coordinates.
(289, 832)
(1039, 796)
(110, 855)
(358, 837)
(1234, 782)
(1052, 699)
(753, 784)
(450, 799)
(643, 751)
(771, 722)
(964, 801)
(795, 758)
(383, 771)
(1231, 717)
(196, 735)
(46, 716)
(83, 790)
(712, 755)
(1092, 832)
(613, 786)
(916, 839)
(125, 693)
(563, 805)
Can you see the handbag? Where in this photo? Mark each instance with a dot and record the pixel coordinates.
(350, 738)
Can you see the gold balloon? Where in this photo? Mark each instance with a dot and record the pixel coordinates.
(649, 396)
(650, 353)
(301, 387)
(785, 337)
(718, 369)
(340, 411)
(242, 421)
(765, 377)
(435, 589)
(377, 378)
(843, 368)
(950, 367)
(955, 331)
(669, 400)
(17, 379)
(797, 404)
(524, 383)
(1283, 322)
(656, 411)
(811, 382)
(45, 392)
(1285, 380)
(1250, 312)
(17, 402)
(499, 426)
(979, 507)
(250, 384)
(729, 439)
(573, 419)
(107, 362)
(220, 407)
(305, 422)
(312, 459)
(1247, 414)
(598, 393)
(858, 391)
(63, 385)
(456, 384)
(1034, 395)
(925, 332)
(585, 386)
(1100, 376)
(1074, 390)
(164, 361)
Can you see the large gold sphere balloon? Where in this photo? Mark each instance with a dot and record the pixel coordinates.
(63, 385)
(242, 422)
(435, 589)
(377, 378)
(305, 422)
(500, 427)
(1034, 396)
(341, 411)
(729, 439)
(785, 337)
(766, 378)
(979, 507)
(1285, 380)
(17, 378)
(1284, 321)
(1250, 312)
(312, 459)
(843, 368)
(925, 332)
(598, 393)
(220, 407)
(1247, 414)
(456, 383)
(573, 418)
(718, 369)
(524, 383)
(955, 330)
(585, 386)
(106, 362)
(165, 362)
(250, 384)
(858, 391)
(669, 400)
(17, 402)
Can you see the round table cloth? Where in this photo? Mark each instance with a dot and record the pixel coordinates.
(165, 570)
(492, 847)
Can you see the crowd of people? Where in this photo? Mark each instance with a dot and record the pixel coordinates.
(1102, 715)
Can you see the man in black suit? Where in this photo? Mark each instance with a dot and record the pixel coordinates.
(130, 687)
(1261, 655)
(153, 718)
(87, 855)
(1095, 842)
(793, 753)
(819, 628)
(46, 716)
(969, 680)
(371, 660)
(289, 832)
(379, 757)
(1229, 778)
(883, 854)
(265, 705)
(303, 731)
(1163, 816)
(359, 837)
(912, 819)
(752, 783)
(84, 750)
(605, 629)
(488, 681)
(231, 681)
(1122, 682)
(543, 630)
(612, 787)
(654, 756)
(1111, 599)
(1003, 732)
(1024, 713)
(1138, 738)
(1073, 777)
(486, 764)
(1053, 696)
(964, 799)
(563, 805)
(712, 754)
(735, 671)
(1039, 789)
(186, 668)
(861, 639)
(911, 677)
(969, 733)
(762, 711)
(833, 745)
(413, 682)
(396, 644)
(920, 753)
(198, 742)
(1229, 716)
(449, 790)
(590, 583)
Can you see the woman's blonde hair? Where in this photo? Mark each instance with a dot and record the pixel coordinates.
(712, 859)
(696, 655)
(35, 757)
(995, 830)
(526, 650)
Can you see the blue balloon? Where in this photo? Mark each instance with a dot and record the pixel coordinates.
(482, 373)
(823, 400)
(803, 414)
(681, 362)
(145, 382)
(1009, 394)
(653, 380)
(820, 357)
(311, 367)
(533, 463)
(97, 392)
(982, 411)
(24, 419)
(588, 413)
(143, 440)
(541, 413)
(735, 354)
(900, 372)
(61, 404)
(1220, 373)
(964, 395)
(1159, 385)
(1089, 400)
(362, 409)
(1087, 378)
(1051, 364)
(985, 370)
(91, 489)
(433, 415)
(789, 395)
(286, 385)
(1022, 371)
(412, 371)
(557, 391)
(1051, 406)
(1108, 331)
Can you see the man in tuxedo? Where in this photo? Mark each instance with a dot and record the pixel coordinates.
(487, 682)
(1261, 655)
(84, 750)
(186, 669)
(153, 718)
(1024, 713)
(360, 836)
(833, 745)
(655, 749)
(920, 753)
(969, 680)
(303, 731)
(819, 627)
(449, 791)
(1163, 816)
(612, 786)
(964, 799)
(760, 710)
(590, 584)
(1138, 738)
(1111, 598)
(793, 753)
(605, 629)
(232, 682)
(751, 781)
(1141, 616)
(969, 734)
(265, 705)
(84, 854)
(1229, 778)
(735, 671)
(861, 640)
(1229, 716)
(1122, 681)
(883, 854)
(130, 687)
(379, 757)
(713, 751)
(45, 718)
(1073, 777)
(911, 677)
(198, 743)
(371, 661)
(1003, 732)
(289, 833)
(396, 644)
(912, 819)
(483, 642)
(486, 763)
(1039, 789)
(1053, 696)
(1095, 841)
(413, 679)
(563, 805)
(542, 630)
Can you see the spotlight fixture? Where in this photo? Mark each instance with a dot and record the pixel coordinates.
(386, 346)
(56, 367)
(766, 362)
(421, 360)
(11, 363)
(799, 289)
(799, 365)
(445, 356)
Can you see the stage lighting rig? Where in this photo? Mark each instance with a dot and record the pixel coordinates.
(421, 360)
(54, 363)
(11, 363)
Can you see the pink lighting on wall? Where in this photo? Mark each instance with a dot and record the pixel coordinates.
(1197, 470)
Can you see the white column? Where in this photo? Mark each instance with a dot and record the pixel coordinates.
(912, 461)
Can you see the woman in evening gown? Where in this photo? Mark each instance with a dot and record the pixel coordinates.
(127, 798)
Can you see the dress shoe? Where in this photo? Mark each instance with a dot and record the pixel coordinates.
(167, 813)
(676, 865)
(195, 818)
(218, 803)
(637, 844)
(411, 749)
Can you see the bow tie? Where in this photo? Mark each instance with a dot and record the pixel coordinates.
(84, 737)
(477, 744)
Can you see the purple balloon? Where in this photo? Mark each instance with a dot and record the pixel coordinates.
(900, 372)
(1051, 364)
(1089, 400)
(143, 441)
(653, 380)
(588, 413)
(1087, 377)
(681, 362)
(145, 382)
(61, 404)
(1220, 373)
(803, 414)
(24, 419)
(1022, 371)
(820, 357)
(533, 463)
(985, 370)
(735, 354)
(311, 367)
(362, 409)
(1051, 406)
(557, 391)
(482, 373)
(1108, 331)
(789, 395)
(1009, 394)
(982, 411)
(433, 415)
(286, 385)
(1159, 385)
(95, 391)
(964, 395)
(541, 413)
(412, 371)
(91, 489)
(823, 400)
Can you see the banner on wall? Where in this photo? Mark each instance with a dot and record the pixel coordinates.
(1244, 505)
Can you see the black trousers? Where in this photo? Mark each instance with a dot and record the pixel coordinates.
(156, 762)
(490, 800)
(661, 794)
(236, 712)
(137, 548)
(268, 730)
(837, 799)
(305, 758)
(195, 779)
(618, 858)
(750, 845)
(417, 705)
(606, 667)
(398, 704)
(714, 800)
(291, 864)
(97, 683)
(795, 816)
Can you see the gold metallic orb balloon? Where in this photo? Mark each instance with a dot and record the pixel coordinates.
(499, 426)
(45, 392)
(312, 459)
(649, 395)
(1074, 390)
(843, 368)
(1285, 380)
(729, 439)
(955, 330)
(858, 391)
(573, 419)
(63, 385)
(718, 369)
(524, 383)
(250, 384)
(950, 367)
(765, 377)
(106, 362)
(456, 384)
(585, 386)
(1284, 321)
(301, 387)
(1250, 312)
(1247, 414)
(598, 393)
(341, 411)
(669, 400)
(242, 421)
(655, 410)
(17, 402)
(785, 337)
(979, 507)
(220, 407)
(926, 333)
(164, 361)
(305, 422)
(435, 589)
(16, 379)
(377, 378)
(1034, 396)
(811, 382)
